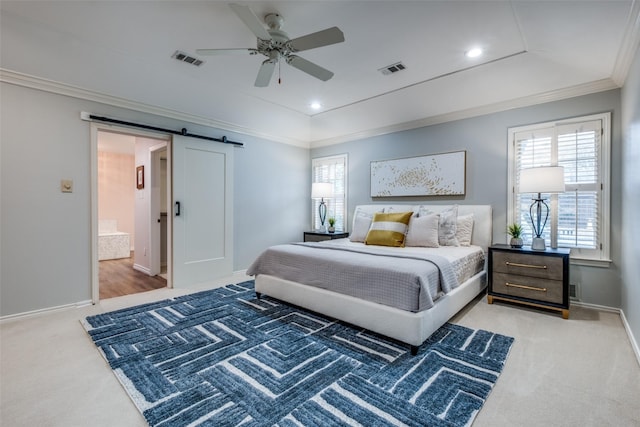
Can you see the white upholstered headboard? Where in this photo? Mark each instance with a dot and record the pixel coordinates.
(482, 225)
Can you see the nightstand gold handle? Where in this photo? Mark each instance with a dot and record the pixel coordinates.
(531, 288)
(515, 264)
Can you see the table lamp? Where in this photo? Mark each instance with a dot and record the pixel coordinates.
(540, 180)
(320, 190)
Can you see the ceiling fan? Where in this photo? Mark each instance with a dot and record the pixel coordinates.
(275, 44)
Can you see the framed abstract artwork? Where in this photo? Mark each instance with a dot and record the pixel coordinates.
(432, 175)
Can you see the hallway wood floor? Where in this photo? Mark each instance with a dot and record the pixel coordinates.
(118, 278)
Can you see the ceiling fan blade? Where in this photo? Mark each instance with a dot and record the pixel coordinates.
(326, 37)
(250, 20)
(239, 51)
(265, 73)
(309, 67)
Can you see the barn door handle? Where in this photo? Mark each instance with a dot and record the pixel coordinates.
(177, 210)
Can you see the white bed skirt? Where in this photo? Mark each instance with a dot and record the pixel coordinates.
(408, 327)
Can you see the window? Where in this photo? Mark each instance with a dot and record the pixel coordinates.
(579, 217)
(333, 170)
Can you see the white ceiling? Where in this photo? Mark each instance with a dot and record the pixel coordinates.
(534, 51)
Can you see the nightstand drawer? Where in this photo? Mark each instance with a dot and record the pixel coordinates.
(528, 287)
(524, 276)
(321, 236)
(315, 238)
(528, 265)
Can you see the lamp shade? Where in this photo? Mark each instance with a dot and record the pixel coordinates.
(320, 190)
(542, 180)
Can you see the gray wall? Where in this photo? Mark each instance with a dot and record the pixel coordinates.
(485, 139)
(45, 235)
(631, 198)
(272, 197)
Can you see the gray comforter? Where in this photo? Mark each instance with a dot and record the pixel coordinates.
(407, 282)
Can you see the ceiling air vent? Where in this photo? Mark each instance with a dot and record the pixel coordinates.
(393, 68)
(181, 56)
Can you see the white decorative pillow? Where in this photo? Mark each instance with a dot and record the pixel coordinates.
(391, 209)
(423, 231)
(361, 225)
(464, 229)
(423, 210)
(448, 226)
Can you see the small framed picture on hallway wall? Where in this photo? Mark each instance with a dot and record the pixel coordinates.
(140, 177)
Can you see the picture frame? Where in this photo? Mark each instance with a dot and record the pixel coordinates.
(441, 174)
(140, 177)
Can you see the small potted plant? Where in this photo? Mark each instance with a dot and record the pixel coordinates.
(332, 223)
(515, 231)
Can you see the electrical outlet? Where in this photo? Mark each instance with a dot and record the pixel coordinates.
(66, 186)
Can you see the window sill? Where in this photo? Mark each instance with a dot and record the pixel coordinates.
(601, 263)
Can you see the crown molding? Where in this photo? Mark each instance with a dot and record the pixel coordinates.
(556, 95)
(45, 85)
(629, 46)
(51, 86)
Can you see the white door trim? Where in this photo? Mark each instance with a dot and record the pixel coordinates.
(154, 234)
(154, 208)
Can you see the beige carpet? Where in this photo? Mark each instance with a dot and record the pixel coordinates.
(576, 372)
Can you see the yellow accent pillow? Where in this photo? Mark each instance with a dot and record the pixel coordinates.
(388, 229)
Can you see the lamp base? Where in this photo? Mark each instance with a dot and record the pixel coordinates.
(538, 244)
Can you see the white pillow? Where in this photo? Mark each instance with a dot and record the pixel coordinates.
(423, 210)
(464, 229)
(391, 209)
(448, 226)
(361, 225)
(423, 231)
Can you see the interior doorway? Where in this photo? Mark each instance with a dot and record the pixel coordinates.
(131, 198)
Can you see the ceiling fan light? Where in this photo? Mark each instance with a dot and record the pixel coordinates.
(473, 53)
(275, 44)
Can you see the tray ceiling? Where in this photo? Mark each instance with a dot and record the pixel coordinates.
(532, 51)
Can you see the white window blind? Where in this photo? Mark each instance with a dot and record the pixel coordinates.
(333, 170)
(578, 217)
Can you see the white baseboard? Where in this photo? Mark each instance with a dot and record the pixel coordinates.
(241, 273)
(627, 327)
(142, 269)
(596, 306)
(84, 303)
(632, 339)
(48, 310)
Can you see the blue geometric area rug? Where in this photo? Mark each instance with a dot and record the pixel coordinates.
(224, 358)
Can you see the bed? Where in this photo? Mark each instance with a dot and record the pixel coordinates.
(417, 291)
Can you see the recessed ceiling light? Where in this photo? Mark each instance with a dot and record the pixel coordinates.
(315, 105)
(473, 53)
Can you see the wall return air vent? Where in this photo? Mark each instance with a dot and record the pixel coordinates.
(181, 56)
(393, 68)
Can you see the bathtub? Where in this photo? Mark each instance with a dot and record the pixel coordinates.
(112, 244)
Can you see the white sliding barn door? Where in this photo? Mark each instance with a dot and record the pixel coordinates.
(202, 210)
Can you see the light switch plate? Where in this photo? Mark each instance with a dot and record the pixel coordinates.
(66, 186)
